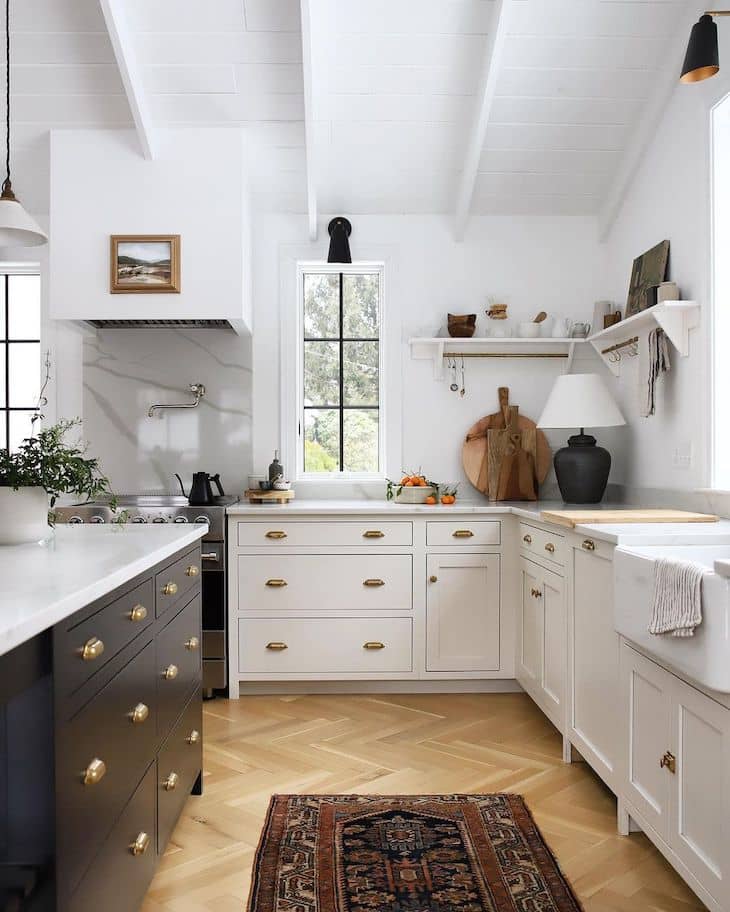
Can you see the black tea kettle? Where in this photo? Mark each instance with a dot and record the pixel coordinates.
(201, 493)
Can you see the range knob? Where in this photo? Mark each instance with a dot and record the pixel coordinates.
(97, 519)
(180, 519)
(75, 520)
(139, 519)
(159, 519)
(202, 519)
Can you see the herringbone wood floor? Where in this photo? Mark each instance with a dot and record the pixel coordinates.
(399, 744)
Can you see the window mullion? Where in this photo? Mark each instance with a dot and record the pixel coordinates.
(342, 375)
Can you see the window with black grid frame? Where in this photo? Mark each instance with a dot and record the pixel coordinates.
(20, 356)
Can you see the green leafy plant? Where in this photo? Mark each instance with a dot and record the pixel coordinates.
(47, 460)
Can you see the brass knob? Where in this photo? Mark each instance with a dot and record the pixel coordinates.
(94, 772)
(588, 545)
(373, 583)
(138, 613)
(170, 784)
(193, 737)
(463, 533)
(373, 644)
(140, 844)
(140, 713)
(550, 548)
(668, 761)
(276, 583)
(92, 649)
(373, 533)
(276, 534)
(169, 589)
(170, 673)
(192, 570)
(277, 647)
(192, 644)
(527, 539)
(433, 579)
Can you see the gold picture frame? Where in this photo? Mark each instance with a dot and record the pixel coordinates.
(151, 264)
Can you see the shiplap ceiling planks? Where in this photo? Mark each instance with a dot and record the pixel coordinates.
(394, 98)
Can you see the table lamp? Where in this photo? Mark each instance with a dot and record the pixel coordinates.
(581, 401)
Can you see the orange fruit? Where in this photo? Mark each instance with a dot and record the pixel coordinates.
(430, 500)
(448, 499)
(405, 479)
(421, 482)
(409, 484)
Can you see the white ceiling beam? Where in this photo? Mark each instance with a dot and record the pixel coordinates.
(649, 118)
(493, 53)
(309, 140)
(122, 43)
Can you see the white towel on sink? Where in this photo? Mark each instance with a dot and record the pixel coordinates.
(677, 598)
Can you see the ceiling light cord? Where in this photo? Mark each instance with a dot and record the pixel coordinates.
(7, 188)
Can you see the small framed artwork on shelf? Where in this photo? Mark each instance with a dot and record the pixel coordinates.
(649, 269)
(144, 263)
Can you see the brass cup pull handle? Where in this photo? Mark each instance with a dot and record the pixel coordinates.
(588, 545)
(138, 613)
(462, 533)
(140, 845)
(140, 713)
(373, 644)
(277, 647)
(192, 644)
(373, 533)
(169, 589)
(550, 548)
(373, 583)
(170, 784)
(535, 593)
(527, 539)
(193, 570)
(276, 583)
(92, 649)
(193, 737)
(170, 673)
(94, 772)
(276, 534)
(668, 761)
(433, 579)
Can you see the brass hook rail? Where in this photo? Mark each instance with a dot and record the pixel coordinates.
(619, 345)
(505, 355)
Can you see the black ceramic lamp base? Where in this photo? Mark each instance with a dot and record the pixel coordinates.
(582, 470)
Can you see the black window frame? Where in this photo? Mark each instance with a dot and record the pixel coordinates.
(6, 409)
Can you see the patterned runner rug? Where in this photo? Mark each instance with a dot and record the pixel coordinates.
(428, 853)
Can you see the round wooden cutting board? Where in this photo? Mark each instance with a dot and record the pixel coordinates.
(475, 445)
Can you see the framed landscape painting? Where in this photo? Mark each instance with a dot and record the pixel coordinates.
(649, 269)
(144, 263)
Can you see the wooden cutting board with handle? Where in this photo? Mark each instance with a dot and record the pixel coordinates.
(511, 460)
(475, 450)
(573, 518)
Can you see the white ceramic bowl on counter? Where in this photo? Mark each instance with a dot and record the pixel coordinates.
(414, 495)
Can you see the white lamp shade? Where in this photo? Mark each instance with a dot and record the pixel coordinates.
(580, 401)
(17, 228)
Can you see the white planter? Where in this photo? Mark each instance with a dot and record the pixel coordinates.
(23, 516)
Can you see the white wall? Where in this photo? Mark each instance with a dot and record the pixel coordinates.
(532, 263)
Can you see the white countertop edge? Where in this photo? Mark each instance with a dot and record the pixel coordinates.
(18, 630)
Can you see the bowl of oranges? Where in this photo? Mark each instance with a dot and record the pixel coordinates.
(412, 488)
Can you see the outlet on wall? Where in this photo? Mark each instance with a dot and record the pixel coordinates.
(682, 455)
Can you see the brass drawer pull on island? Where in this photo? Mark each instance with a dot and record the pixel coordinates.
(192, 644)
(169, 589)
(527, 539)
(140, 845)
(192, 570)
(276, 583)
(668, 761)
(170, 784)
(92, 649)
(550, 548)
(277, 647)
(373, 644)
(373, 533)
(463, 533)
(94, 772)
(138, 613)
(373, 583)
(433, 579)
(140, 713)
(276, 534)
(170, 673)
(193, 737)
(588, 545)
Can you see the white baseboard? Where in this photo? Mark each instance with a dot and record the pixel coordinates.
(253, 688)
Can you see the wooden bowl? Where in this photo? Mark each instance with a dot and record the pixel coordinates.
(462, 326)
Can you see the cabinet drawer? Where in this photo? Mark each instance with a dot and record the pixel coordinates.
(90, 795)
(540, 543)
(79, 652)
(178, 664)
(179, 763)
(176, 582)
(290, 646)
(367, 532)
(119, 875)
(463, 533)
(325, 582)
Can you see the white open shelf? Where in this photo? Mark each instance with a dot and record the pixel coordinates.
(676, 318)
(438, 348)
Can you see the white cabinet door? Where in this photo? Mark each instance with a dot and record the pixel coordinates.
(594, 664)
(647, 694)
(553, 651)
(462, 612)
(529, 633)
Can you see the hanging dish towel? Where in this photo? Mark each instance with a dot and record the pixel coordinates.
(677, 598)
(653, 361)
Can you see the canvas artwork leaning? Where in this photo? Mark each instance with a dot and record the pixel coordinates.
(649, 270)
(144, 263)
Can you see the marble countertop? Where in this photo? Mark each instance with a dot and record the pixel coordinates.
(43, 584)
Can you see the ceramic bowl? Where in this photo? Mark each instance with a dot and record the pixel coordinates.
(528, 330)
(414, 495)
(282, 486)
(462, 326)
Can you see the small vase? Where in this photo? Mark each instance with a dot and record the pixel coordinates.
(23, 516)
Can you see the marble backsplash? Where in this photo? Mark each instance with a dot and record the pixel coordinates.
(125, 371)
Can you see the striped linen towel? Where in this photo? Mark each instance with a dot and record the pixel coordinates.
(677, 598)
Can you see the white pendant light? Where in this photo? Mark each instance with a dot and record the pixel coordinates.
(17, 228)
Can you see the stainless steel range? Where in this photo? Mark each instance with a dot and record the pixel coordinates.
(169, 508)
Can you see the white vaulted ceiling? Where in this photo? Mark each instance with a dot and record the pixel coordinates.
(382, 114)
